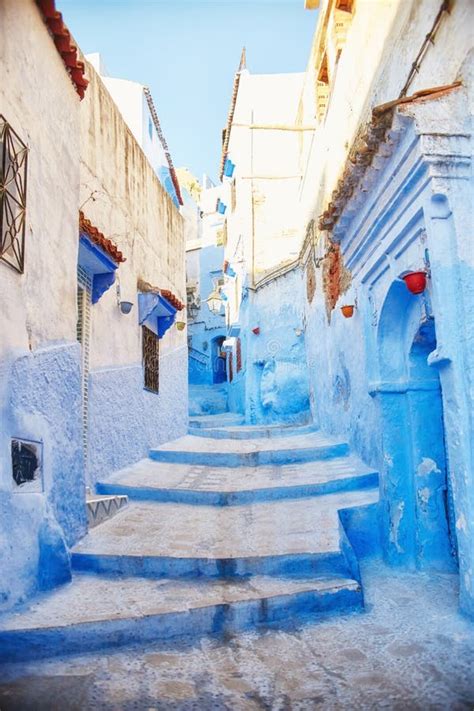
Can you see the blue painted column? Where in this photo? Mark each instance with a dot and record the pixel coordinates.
(453, 303)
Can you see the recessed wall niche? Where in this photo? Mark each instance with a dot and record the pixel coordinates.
(27, 465)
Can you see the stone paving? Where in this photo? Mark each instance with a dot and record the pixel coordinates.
(150, 474)
(410, 651)
(190, 443)
(262, 529)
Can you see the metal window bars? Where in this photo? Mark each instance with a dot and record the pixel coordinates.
(13, 167)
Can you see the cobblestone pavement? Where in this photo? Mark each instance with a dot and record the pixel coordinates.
(411, 650)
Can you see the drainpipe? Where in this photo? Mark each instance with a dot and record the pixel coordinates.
(429, 39)
(252, 281)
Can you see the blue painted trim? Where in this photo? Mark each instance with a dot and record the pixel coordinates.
(296, 565)
(100, 284)
(98, 264)
(92, 258)
(156, 313)
(229, 168)
(197, 497)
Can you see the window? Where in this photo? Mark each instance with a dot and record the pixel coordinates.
(26, 465)
(346, 5)
(150, 128)
(151, 360)
(13, 162)
(238, 355)
(322, 89)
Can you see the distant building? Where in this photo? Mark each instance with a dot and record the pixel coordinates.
(261, 174)
(137, 108)
(377, 284)
(204, 282)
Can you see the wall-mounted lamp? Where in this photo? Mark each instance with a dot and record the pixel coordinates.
(180, 325)
(298, 332)
(214, 302)
(124, 306)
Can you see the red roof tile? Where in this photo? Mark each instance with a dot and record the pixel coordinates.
(174, 301)
(98, 238)
(230, 115)
(159, 131)
(63, 41)
(167, 294)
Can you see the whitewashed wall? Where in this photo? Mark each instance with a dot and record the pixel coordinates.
(39, 356)
(129, 206)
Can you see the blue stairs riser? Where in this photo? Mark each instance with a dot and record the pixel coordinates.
(287, 565)
(251, 432)
(250, 459)
(217, 498)
(221, 620)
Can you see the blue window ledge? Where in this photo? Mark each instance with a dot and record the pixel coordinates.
(155, 312)
(229, 168)
(98, 264)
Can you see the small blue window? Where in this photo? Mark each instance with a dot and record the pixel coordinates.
(150, 128)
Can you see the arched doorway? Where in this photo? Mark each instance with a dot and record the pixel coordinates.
(418, 517)
(219, 370)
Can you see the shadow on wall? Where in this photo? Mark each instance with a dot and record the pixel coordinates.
(283, 391)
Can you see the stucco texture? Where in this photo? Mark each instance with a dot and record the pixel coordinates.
(39, 358)
(41, 400)
(125, 420)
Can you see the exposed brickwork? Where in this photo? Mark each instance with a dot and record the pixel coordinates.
(336, 278)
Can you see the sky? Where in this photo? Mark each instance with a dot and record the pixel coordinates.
(187, 52)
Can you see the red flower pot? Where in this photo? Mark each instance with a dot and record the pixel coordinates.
(256, 330)
(415, 281)
(347, 311)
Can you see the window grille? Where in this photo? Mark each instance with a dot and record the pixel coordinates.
(13, 163)
(83, 328)
(151, 360)
(238, 355)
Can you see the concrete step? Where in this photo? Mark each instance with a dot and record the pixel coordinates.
(251, 431)
(207, 399)
(223, 419)
(95, 612)
(251, 452)
(148, 480)
(101, 507)
(301, 537)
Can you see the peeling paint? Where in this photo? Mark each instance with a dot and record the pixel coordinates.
(395, 520)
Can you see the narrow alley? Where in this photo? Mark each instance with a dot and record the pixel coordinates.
(233, 530)
(236, 355)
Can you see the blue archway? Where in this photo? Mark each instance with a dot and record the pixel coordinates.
(417, 525)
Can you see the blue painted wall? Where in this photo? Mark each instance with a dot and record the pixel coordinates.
(277, 386)
(41, 401)
(125, 420)
(397, 379)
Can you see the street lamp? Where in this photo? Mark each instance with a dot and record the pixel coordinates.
(214, 302)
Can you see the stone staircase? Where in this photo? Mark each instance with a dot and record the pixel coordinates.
(228, 529)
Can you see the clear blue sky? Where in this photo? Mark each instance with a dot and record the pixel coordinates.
(187, 51)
